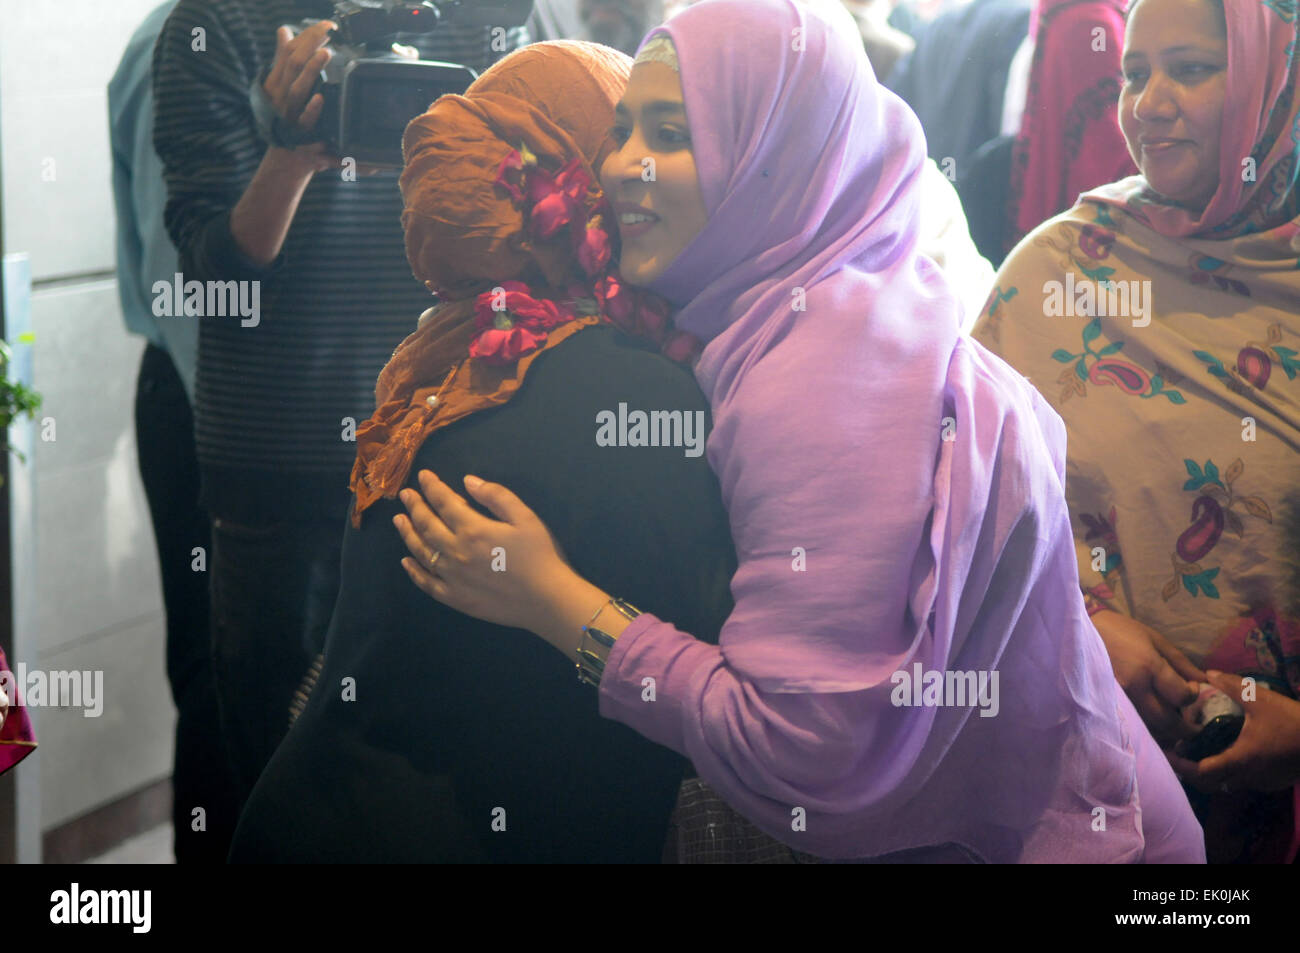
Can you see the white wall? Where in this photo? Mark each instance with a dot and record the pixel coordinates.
(96, 601)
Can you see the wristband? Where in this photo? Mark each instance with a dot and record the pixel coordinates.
(594, 646)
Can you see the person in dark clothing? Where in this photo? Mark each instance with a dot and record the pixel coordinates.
(203, 803)
(956, 77)
(430, 736)
(451, 718)
(203, 800)
(315, 253)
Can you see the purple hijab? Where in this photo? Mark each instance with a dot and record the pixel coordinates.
(895, 494)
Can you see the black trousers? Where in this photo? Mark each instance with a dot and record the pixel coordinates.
(273, 591)
(169, 470)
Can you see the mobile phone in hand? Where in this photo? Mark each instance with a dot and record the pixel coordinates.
(1217, 719)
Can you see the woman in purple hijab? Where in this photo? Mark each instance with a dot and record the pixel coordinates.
(909, 663)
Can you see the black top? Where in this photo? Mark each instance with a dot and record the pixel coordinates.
(453, 717)
(273, 400)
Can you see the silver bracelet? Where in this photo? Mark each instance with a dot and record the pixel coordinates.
(591, 660)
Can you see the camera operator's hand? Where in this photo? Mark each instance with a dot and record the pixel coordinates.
(261, 219)
(298, 62)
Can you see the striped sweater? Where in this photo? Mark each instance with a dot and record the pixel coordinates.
(276, 401)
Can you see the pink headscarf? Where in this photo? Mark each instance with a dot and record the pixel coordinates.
(1261, 121)
(834, 367)
(1069, 138)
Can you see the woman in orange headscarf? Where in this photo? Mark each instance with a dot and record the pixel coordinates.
(432, 736)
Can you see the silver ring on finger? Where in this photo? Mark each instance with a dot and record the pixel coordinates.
(433, 560)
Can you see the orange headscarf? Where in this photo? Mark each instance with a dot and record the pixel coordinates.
(465, 235)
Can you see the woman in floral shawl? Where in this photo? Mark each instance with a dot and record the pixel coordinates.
(1160, 318)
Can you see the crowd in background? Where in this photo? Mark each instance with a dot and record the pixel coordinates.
(1026, 105)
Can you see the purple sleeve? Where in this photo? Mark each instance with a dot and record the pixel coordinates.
(748, 744)
(680, 665)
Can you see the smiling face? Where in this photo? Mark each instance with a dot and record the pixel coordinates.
(651, 180)
(1171, 106)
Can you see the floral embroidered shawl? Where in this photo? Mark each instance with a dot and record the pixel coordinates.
(1184, 432)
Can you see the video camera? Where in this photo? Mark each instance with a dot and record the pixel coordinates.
(371, 90)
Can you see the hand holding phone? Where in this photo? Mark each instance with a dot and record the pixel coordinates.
(1266, 754)
(1217, 720)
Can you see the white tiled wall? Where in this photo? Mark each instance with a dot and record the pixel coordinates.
(56, 57)
(96, 592)
(96, 567)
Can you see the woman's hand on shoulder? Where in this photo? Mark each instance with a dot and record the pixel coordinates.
(1155, 675)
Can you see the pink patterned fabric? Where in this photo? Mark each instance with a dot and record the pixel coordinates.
(1069, 138)
(17, 740)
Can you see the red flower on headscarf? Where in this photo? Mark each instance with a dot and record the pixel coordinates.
(593, 247)
(557, 199)
(509, 173)
(644, 315)
(512, 323)
(616, 301)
